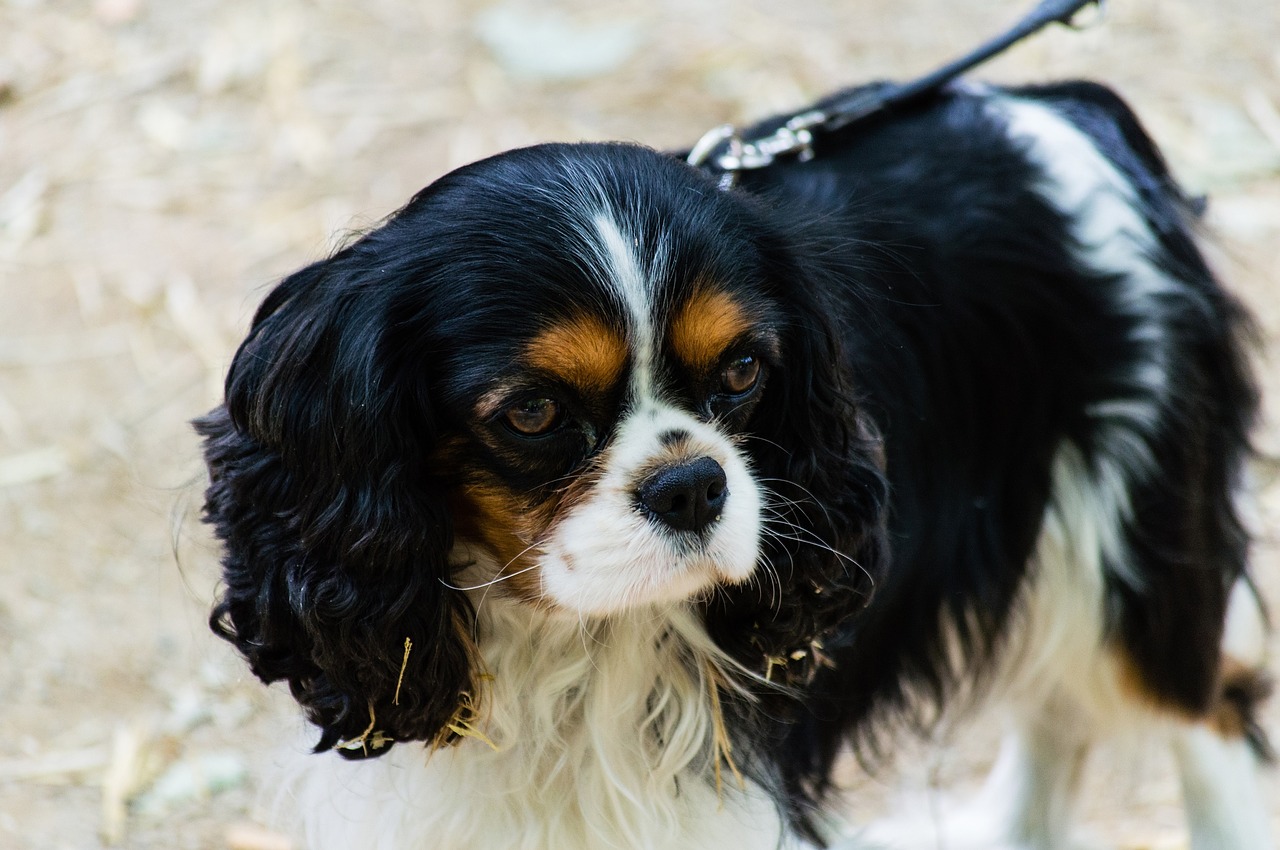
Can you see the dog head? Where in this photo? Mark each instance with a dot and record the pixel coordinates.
(577, 377)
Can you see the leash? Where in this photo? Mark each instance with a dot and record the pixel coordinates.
(727, 152)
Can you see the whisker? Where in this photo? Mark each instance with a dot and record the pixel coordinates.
(775, 582)
(796, 503)
(500, 577)
(778, 446)
(802, 535)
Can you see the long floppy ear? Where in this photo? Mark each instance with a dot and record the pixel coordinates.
(335, 527)
(820, 461)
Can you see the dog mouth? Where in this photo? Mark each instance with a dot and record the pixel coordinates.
(604, 558)
(671, 581)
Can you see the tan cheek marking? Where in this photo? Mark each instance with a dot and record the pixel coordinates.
(705, 326)
(486, 511)
(583, 351)
(507, 525)
(511, 526)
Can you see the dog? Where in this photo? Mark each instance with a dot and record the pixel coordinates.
(589, 503)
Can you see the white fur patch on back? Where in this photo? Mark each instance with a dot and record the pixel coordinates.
(1115, 240)
(1113, 235)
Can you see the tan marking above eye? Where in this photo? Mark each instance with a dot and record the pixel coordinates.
(705, 326)
(583, 351)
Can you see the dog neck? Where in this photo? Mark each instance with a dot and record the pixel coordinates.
(584, 734)
(611, 725)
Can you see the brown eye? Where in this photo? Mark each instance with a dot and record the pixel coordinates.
(740, 375)
(534, 416)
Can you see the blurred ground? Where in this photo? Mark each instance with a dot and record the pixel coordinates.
(162, 163)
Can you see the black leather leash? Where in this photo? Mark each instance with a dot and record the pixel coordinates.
(725, 151)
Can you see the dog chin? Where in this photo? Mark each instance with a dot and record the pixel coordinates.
(580, 590)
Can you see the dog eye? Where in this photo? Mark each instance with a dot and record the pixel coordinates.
(740, 375)
(534, 416)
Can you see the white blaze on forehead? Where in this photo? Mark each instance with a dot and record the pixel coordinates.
(632, 282)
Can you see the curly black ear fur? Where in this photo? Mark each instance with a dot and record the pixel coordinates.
(335, 529)
(820, 460)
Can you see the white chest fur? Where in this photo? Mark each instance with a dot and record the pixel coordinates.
(600, 735)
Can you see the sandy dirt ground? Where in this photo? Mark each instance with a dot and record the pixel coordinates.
(161, 164)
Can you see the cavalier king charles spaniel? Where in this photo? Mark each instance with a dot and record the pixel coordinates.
(586, 503)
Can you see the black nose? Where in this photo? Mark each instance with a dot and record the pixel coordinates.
(687, 497)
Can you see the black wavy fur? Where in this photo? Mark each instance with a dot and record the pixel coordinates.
(935, 324)
(335, 529)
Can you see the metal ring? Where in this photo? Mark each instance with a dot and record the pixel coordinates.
(710, 141)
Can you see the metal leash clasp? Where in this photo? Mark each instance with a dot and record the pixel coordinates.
(713, 140)
(795, 137)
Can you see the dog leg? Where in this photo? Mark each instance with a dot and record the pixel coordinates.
(1219, 784)
(1218, 757)
(1032, 788)
(1026, 803)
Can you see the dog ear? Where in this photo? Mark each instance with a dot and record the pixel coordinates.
(335, 527)
(821, 463)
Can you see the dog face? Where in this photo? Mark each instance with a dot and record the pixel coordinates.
(601, 465)
(601, 477)
(580, 377)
